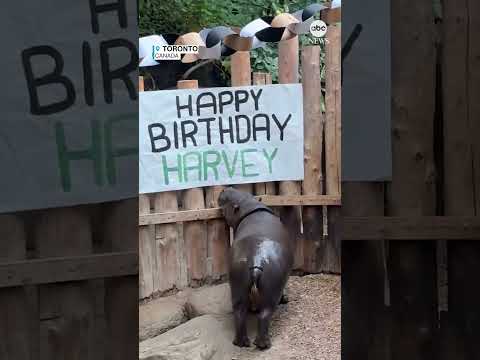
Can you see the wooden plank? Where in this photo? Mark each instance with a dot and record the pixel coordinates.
(411, 228)
(365, 325)
(259, 78)
(218, 237)
(74, 268)
(331, 247)
(146, 245)
(66, 310)
(241, 76)
(14, 306)
(461, 111)
(214, 213)
(473, 91)
(288, 74)
(194, 232)
(166, 244)
(412, 191)
(313, 137)
(332, 107)
(270, 187)
(180, 216)
(458, 171)
(121, 293)
(331, 16)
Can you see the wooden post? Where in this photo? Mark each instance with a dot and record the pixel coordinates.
(194, 232)
(288, 73)
(16, 342)
(461, 112)
(67, 310)
(413, 186)
(241, 76)
(313, 130)
(218, 237)
(146, 243)
(330, 250)
(333, 109)
(260, 78)
(166, 244)
(120, 230)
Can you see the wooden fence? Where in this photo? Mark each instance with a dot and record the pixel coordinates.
(183, 240)
(69, 283)
(409, 288)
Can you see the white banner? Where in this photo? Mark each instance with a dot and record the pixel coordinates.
(218, 136)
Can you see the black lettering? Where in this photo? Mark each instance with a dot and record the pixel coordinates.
(257, 128)
(55, 77)
(256, 96)
(121, 73)
(208, 121)
(181, 107)
(87, 73)
(175, 134)
(96, 9)
(281, 127)
(247, 127)
(223, 130)
(222, 102)
(161, 136)
(212, 104)
(189, 134)
(239, 100)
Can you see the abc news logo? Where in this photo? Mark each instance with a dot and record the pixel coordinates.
(318, 28)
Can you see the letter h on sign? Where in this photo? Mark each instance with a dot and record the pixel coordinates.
(119, 6)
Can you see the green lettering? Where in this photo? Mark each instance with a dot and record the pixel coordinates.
(131, 123)
(245, 165)
(230, 170)
(94, 153)
(210, 164)
(197, 166)
(177, 169)
(270, 158)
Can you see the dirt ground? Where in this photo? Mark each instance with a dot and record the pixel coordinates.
(308, 327)
(198, 324)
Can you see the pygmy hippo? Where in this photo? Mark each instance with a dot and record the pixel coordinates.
(261, 259)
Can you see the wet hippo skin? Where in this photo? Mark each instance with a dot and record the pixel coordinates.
(261, 259)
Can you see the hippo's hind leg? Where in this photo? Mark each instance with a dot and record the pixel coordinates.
(270, 293)
(240, 289)
(262, 341)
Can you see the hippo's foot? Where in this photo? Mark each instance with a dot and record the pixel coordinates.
(263, 342)
(241, 341)
(284, 299)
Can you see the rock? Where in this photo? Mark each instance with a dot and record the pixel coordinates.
(207, 337)
(161, 315)
(210, 300)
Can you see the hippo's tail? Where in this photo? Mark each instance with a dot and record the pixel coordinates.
(256, 273)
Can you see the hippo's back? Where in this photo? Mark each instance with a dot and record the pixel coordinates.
(261, 240)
